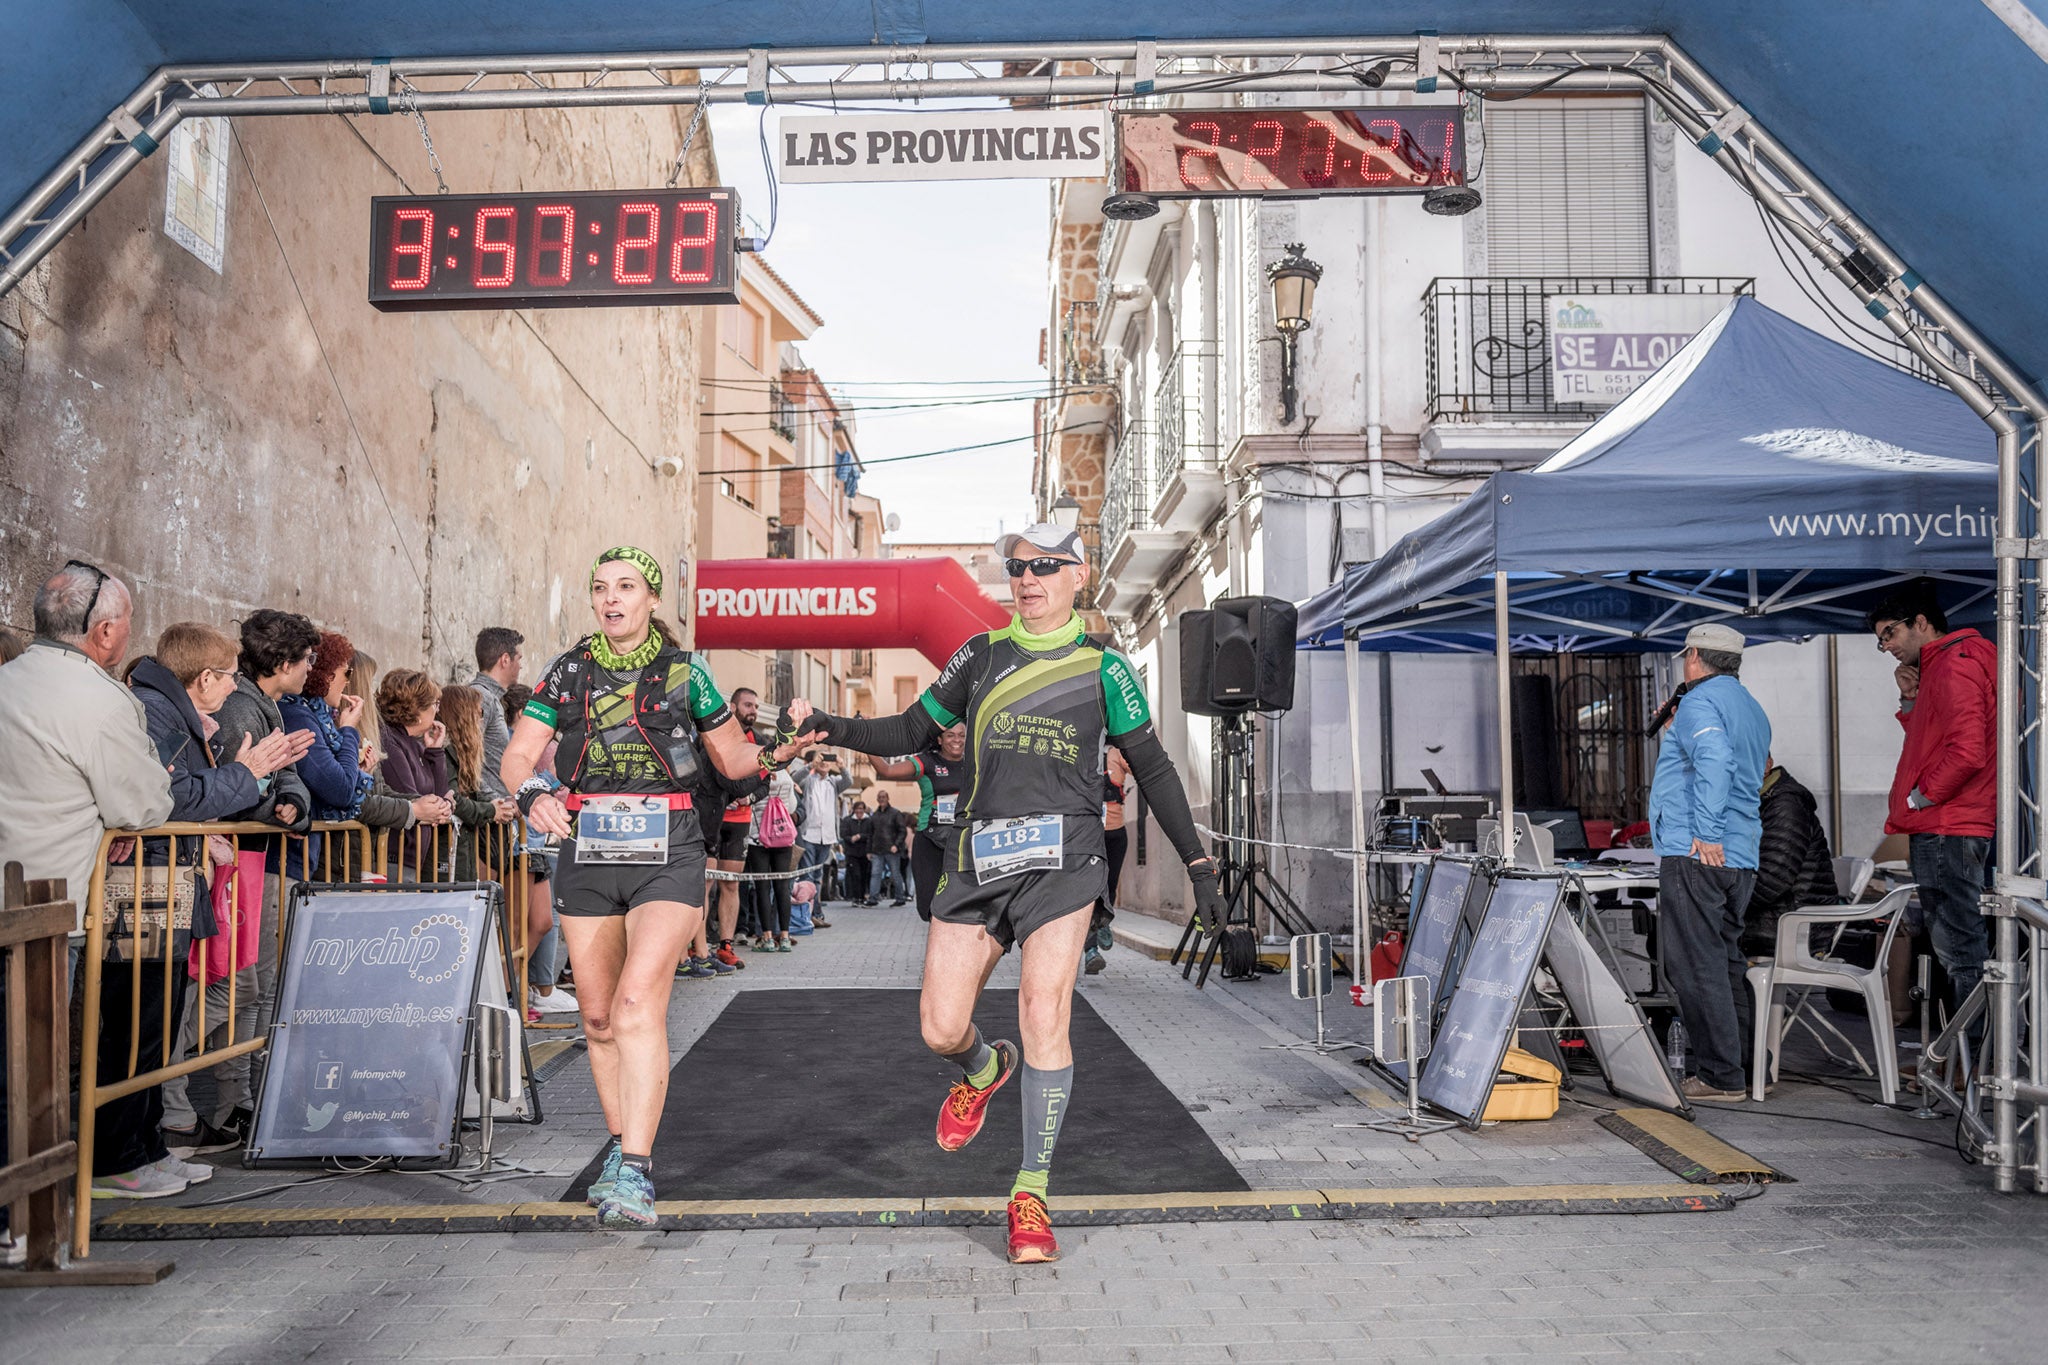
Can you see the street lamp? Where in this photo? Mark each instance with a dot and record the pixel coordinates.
(1293, 280)
(1066, 513)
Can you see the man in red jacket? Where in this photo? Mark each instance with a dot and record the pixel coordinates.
(1945, 792)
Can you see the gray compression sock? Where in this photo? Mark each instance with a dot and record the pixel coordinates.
(1045, 1103)
(978, 1062)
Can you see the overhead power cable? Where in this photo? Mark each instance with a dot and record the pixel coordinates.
(868, 462)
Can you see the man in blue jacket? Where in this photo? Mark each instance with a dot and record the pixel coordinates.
(1704, 817)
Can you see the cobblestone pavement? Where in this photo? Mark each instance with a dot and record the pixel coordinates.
(1888, 1248)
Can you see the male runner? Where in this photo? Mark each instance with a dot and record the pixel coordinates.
(725, 812)
(1041, 701)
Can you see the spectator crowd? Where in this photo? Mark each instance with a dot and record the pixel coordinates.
(288, 726)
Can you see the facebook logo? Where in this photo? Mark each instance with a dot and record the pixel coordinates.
(327, 1076)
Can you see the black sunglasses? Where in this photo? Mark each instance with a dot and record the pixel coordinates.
(1044, 567)
(100, 581)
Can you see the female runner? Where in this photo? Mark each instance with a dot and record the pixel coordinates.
(941, 774)
(636, 716)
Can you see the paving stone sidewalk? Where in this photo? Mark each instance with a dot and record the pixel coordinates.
(1889, 1248)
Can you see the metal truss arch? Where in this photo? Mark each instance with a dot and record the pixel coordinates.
(1124, 73)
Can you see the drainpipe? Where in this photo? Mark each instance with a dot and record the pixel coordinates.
(1375, 468)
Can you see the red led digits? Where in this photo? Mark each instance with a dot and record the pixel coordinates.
(1189, 156)
(557, 249)
(1442, 171)
(554, 234)
(504, 221)
(420, 253)
(1380, 148)
(631, 241)
(1313, 173)
(1259, 170)
(687, 241)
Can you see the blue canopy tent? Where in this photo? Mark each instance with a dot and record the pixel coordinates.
(1766, 477)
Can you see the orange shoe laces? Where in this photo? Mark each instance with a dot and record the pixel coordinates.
(960, 1100)
(1029, 1214)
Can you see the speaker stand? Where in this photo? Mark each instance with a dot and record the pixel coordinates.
(1244, 878)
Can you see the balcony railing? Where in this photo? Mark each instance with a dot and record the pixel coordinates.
(860, 664)
(1081, 363)
(781, 412)
(782, 679)
(1487, 339)
(1184, 436)
(1127, 487)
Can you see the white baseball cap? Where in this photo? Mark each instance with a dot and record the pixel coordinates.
(1047, 538)
(1712, 635)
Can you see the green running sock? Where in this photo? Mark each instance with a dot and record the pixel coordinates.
(1033, 1182)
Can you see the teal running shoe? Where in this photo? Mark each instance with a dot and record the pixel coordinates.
(630, 1203)
(607, 1176)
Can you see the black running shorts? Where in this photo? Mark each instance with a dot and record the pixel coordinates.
(1012, 908)
(600, 889)
(931, 853)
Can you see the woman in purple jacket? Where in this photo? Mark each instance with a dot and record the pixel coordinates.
(415, 754)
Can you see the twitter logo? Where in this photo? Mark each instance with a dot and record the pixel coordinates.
(317, 1119)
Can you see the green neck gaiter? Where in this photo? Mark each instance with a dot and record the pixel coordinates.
(601, 650)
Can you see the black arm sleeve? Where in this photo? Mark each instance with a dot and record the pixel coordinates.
(908, 733)
(1163, 792)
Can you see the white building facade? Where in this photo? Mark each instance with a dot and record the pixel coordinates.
(1426, 367)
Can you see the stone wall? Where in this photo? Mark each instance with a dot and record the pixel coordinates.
(263, 437)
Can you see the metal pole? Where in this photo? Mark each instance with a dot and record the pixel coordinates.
(2000, 996)
(1504, 699)
(1835, 741)
(1360, 890)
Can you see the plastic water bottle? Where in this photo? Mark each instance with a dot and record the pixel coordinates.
(1674, 1047)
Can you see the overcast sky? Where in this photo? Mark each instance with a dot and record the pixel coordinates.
(917, 283)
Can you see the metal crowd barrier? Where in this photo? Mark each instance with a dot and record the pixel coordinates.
(349, 852)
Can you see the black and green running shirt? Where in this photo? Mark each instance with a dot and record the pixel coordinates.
(631, 730)
(938, 777)
(1039, 710)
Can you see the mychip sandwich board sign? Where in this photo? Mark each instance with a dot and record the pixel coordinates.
(1479, 1021)
(377, 1005)
(1451, 894)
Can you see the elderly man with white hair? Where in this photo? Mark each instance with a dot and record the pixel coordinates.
(75, 746)
(73, 741)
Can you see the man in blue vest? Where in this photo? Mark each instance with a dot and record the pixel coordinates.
(1704, 817)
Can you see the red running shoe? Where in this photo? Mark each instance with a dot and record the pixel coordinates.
(961, 1115)
(730, 958)
(1030, 1231)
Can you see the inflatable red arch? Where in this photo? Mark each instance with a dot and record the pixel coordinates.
(930, 605)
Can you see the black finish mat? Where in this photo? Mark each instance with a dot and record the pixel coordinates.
(831, 1094)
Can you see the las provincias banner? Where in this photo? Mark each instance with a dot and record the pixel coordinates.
(965, 144)
(930, 605)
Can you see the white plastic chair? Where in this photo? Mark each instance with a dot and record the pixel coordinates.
(1852, 875)
(1795, 967)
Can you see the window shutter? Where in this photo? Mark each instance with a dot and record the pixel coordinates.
(1566, 188)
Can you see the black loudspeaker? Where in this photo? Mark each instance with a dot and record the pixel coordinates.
(1197, 655)
(1237, 657)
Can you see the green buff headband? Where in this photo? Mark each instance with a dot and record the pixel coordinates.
(638, 558)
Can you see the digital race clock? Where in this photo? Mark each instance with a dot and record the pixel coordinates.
(587, 248)
(1185, 153)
